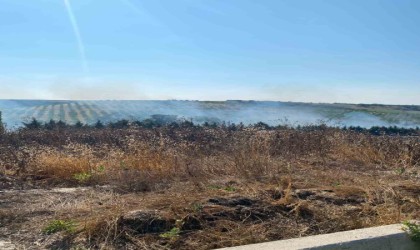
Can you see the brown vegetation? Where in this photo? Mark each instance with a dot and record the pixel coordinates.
(197, 187)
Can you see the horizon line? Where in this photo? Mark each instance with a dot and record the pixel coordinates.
(195, 100)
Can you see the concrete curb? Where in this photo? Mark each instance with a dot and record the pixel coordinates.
(390, 237)
(6, 245)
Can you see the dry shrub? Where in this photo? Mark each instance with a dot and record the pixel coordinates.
(178, 154)
(62, 166)
(103, 229)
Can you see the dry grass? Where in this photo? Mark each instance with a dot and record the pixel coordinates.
(216, 186)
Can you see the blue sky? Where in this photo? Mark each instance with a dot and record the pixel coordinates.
(358, 51)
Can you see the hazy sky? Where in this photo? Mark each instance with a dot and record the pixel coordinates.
(354, 51)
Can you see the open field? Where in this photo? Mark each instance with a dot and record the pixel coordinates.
(273, 113)
(197, 187)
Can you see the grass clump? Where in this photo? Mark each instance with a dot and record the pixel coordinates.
(197, 207)
(59, 226)
(230, 189)
(82, 177)
(173, 233)
(413, 230)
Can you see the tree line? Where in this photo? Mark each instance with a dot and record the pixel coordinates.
(171, 121)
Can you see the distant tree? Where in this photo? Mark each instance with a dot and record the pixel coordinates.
(2, 129)
(147, 123)
(375, 130)
(34, 124)
(357, 129)
(232, 127)
(79, 124)
(50, 125)
(61, 124)
(186, 124)
(120, 124)
(99, 125)
(262, 125)
(173, 125)
(210, 125)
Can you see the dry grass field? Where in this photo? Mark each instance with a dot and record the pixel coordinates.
(199, 187)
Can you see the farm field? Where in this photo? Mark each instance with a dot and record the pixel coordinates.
(247, 112)
(199, 187)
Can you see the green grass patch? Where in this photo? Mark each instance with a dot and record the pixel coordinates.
(171, 234)
(82, 177)
(413, 230)
(59, 226)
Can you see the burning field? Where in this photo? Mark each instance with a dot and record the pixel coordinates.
(183, 186)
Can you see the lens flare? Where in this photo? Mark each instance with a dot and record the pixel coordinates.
(78, 36)
(146, 16)
(132, 6)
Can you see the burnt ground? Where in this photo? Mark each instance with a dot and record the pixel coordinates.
(221, 214)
